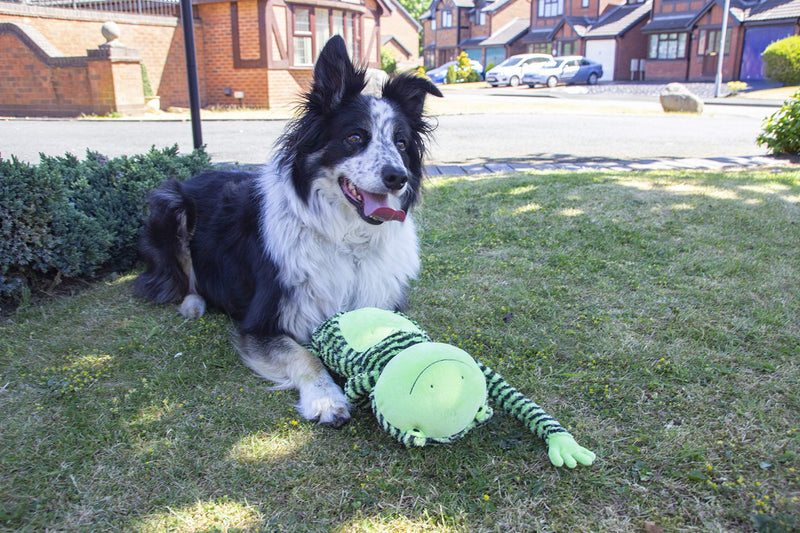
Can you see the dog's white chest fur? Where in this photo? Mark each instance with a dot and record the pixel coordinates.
(331, 260)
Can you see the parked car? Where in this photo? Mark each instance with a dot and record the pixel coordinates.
(566, 69)
(439, 74)
(510, 71)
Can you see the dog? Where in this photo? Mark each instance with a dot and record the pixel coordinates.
(323, 227)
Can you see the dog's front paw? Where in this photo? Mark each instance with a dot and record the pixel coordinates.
(193, 306)
(325, 403)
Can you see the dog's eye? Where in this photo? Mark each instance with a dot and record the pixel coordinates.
(401, 145)
(354, 138)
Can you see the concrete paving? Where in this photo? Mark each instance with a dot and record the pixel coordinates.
(615, 165)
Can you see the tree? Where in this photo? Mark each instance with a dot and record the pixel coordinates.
(415, 7)
(464, 68)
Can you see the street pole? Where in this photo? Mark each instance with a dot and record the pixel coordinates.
(721, 53)
(191, 71)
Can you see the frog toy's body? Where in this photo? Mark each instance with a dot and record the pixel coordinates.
(425, 392)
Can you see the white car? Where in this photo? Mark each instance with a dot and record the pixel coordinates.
(510, 71)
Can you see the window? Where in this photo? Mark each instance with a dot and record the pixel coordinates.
(584, 3)
(540, 48)
(708, 43)
(667, 46)
(481, 18)
(303, 54)
(551, 8)
(447, 19)
(325, 23)
(322, 25)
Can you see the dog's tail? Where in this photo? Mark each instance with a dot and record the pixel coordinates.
(164, 246)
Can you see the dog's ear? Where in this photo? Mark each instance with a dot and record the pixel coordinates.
(335, 77)
(409, 91)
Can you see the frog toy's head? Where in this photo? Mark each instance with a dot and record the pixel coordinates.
(430, 392)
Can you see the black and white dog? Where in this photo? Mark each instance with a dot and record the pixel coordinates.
(322, 228)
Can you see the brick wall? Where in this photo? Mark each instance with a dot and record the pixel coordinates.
(632, 45)
(396, 25)
(159, 41)
(665, 70)
(30, 87)
(35, 79)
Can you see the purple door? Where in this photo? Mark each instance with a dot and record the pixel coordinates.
(756, 41)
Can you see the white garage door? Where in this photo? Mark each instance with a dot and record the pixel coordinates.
(602, 51)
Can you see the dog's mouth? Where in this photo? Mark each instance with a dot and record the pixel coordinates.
(373, 208)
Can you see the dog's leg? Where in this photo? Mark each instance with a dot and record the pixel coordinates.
(285, 362)
(193, 305)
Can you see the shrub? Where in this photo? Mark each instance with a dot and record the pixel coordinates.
(472, 76)
(782, 129)
(388, 62)
(146, 87)
(464, 69)
(70, 218)
(782, 61)
(451, 75)
(735, 87)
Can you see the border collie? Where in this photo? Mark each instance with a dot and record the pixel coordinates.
(322, 228)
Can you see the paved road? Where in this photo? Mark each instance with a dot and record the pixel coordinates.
(576, 127)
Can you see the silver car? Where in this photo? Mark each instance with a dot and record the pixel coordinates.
(510, 71)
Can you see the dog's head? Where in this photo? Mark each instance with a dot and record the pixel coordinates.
(369, 149)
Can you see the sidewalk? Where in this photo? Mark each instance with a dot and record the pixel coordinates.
(588, 164)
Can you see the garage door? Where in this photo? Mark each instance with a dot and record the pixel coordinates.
(602, 51)
(756, 41)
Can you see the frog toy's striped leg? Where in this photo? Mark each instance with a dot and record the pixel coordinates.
(358, 388)
(562, 448)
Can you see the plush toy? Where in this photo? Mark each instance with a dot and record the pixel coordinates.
(426, 392)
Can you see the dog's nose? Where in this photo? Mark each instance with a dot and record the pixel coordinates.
(394, 177)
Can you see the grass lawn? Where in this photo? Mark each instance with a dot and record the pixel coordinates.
(656, 315)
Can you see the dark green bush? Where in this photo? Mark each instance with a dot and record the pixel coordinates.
(71, 218)
(473, 76)
(782, 61)
(450, 78)
(781, 130)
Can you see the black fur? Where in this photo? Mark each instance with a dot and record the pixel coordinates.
(204, 236)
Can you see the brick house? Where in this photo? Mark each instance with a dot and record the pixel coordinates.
(444, 26)
(400, 35)
(266, 48)
(262, 50)
(684, 37)
(608, 31)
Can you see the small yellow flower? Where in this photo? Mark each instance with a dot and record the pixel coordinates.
(486, 497)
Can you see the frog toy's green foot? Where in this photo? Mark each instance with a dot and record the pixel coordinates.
(426, 392)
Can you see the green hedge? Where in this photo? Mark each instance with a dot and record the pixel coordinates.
(71, 218)
(782, 61)
(781, 130)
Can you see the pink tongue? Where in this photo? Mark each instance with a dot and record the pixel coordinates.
(375, 206)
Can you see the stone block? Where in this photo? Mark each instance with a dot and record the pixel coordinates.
(676, 98)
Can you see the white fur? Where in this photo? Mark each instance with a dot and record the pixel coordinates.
(331, 260)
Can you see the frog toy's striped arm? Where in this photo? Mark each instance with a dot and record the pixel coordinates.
(561, 446)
